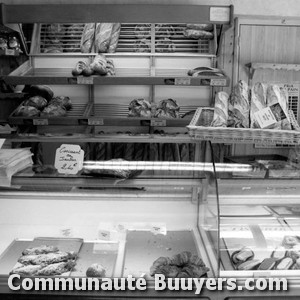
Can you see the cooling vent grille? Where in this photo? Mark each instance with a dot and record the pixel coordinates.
(167, 38)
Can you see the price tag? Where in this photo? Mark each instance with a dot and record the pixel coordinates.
(158, 123)
(40, 121)
(96, 121)
(9, 52)
(85, 80)
(183, 81)
(69, 159)
(219, 14)
(218, 82)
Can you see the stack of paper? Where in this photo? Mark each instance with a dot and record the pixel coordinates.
(13, 161)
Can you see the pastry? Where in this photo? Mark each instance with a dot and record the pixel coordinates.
(28, 270)
(290, 241)
(99, 65)
(268, 263)
(62, 101)
(242, 255)
(56, 268)
(249, 265)
(44, 249)
(95, 270)
(53, 111)
(165, 45)
(142, 31)
(285, 264)
(48, 258)
(258, 102)
(279, 253)
(36, 101)
(181, 265)
(80, 66)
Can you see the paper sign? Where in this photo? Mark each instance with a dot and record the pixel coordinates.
(219, 14)
(69, 159)
(183, 81)
(158, 123)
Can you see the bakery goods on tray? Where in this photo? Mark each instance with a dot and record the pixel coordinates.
(140, 108)
(39, 90)
(61, 101)
(36, 101)
(26, 111)
(95, 270)
(184, 264)
(167, 108)
(44, 260)
(53, 110)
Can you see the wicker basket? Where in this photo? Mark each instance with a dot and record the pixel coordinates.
(200, 129)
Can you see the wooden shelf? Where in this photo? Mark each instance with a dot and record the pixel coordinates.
(26, 74)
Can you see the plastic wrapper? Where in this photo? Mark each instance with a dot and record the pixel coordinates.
(239, 106)
(258, 101)
(220, 118)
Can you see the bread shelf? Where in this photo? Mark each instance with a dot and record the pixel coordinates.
(102, 115)
(25, 74)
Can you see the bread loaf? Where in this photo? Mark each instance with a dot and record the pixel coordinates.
(139, 108)
(99, 65)
(198, 34)
(114, 39)
(102, 37)
(167, 108)
(206, 27)
(143, 45)
(239, 106)
(165, 45)
(72, 44)
(87, 38)
(220, 118)
(39, 90)
(62, 101)
(53, 111)
(164, 31)
(36, 101)
(27, 111)
(258, 101)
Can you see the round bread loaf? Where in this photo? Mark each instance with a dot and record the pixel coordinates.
(53, 111)
(39, 90)
(27, 111)
(36, 101)
(62, 101)
(95, 270)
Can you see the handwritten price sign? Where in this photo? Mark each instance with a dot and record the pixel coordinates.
(69, 159)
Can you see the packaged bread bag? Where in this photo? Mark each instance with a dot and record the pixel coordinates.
(239, 106)
(220, 118)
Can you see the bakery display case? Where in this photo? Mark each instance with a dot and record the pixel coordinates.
(154, 191)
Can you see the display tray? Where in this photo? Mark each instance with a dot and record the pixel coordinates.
(144, 247)
(74, 116)
(27, 74)
(9, 258)
(89, 252)
(102, 115)
(200, 129)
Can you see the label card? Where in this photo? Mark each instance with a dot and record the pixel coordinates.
(69, 159)
(219, 14)
(95, 122)
(85, 80)
(40, 121)
(183, 81)
(158, 123)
